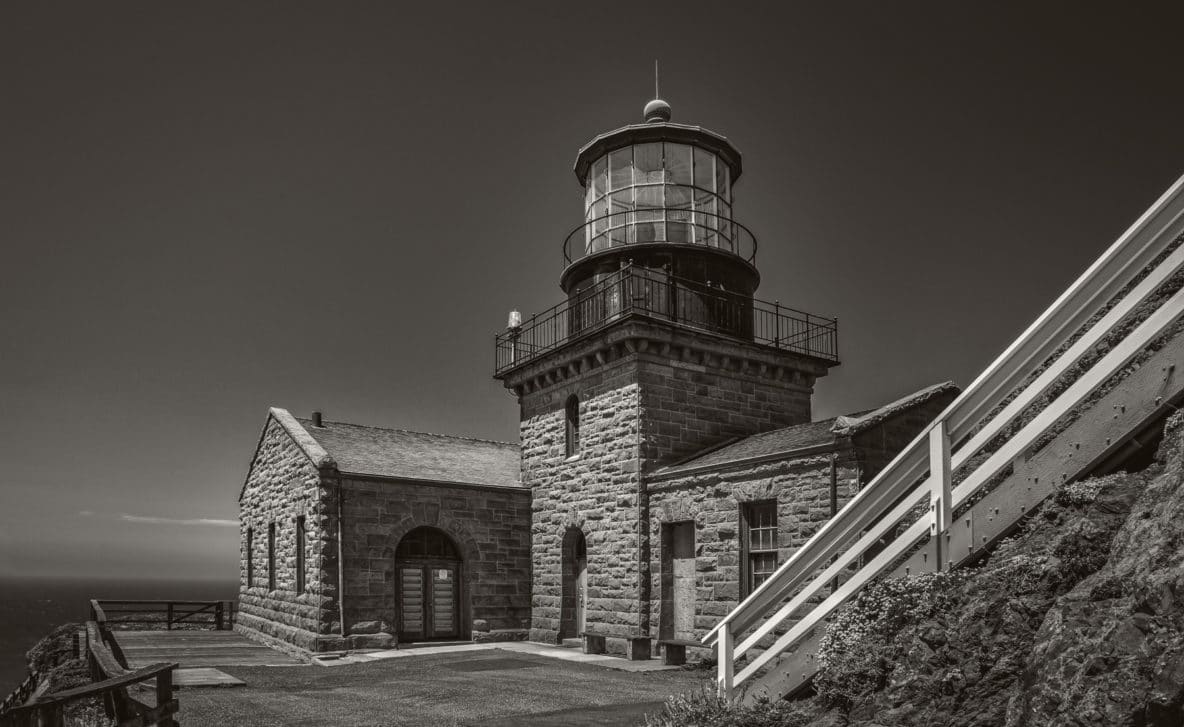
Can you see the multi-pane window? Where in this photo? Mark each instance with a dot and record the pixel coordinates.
(271, 557)
(250, 557)
(300, 554)
(572, 425)
(759, 543)
(658, 191)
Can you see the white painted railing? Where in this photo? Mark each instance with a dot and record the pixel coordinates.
(922, 471)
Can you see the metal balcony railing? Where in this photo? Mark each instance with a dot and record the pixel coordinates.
(660, 225)
(771, 628)
(636, 291)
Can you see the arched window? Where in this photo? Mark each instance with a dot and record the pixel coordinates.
(426, 542)
(572, 417)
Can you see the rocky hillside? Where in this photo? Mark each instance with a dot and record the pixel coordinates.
(1076, 620)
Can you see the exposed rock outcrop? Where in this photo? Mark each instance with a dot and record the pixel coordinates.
(1076, 620)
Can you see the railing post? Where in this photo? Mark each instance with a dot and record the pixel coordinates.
(673, 293)
(939, 488)
(164, 693)
(726, 643)
(170, 616)
(777, 323)
(218, 616)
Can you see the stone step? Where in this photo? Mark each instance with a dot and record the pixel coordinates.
(572, 643)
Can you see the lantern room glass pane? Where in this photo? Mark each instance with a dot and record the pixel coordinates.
(620, 168)
(678, 164)
(704, 169)
(721, 181)
(647, 163)
(649, 197)
(620, 204)
(599, 179)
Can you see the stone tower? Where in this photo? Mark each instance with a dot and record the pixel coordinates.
(658, 352)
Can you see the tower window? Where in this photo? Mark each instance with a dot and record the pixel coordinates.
(250, 557)
(572, 429)
(271, 557)
(300, 554)
(758, 543)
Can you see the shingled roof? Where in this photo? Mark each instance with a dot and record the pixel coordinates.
(403, 454)
(805, 436)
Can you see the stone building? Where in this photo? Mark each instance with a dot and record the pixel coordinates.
(409, 536)
(668, 457)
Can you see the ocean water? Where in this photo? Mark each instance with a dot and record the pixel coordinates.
(31, 608)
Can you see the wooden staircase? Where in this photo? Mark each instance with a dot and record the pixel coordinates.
(1080, 390)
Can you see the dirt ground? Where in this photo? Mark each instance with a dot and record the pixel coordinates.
(488, 688)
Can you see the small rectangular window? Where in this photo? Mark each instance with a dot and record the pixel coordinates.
(758, 543)
(300, 545)
(250, 557)
(271, 557)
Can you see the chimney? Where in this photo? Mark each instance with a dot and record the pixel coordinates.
(316, 420)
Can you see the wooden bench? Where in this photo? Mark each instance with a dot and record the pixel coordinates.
(638, 648)
(674, 651)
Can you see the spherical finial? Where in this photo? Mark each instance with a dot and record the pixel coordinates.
(657, 111)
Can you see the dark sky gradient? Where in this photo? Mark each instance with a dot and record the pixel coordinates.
(209, 209)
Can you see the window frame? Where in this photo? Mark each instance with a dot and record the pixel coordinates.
(271, 581)
(571, 426)
(250, 557)
(300, 538)
(749, 513)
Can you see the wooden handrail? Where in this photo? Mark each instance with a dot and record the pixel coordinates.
(926, 464)
(118, 682)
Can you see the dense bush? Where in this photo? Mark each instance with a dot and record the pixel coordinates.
(705, 709)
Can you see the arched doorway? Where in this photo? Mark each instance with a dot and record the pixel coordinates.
(575, 584)
(427, 586)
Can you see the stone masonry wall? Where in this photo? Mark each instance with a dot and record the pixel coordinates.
(282, 485)
(714, 500)
(687, 407)
(595, 491)
(490, 527)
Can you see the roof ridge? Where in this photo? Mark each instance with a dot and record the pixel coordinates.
(303, 420)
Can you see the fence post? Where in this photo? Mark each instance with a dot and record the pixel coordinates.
(170, 616)
(164, 693)
(939, 488)
(218, 616)
(726, 645)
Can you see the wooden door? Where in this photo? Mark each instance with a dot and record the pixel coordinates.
(428, 601)
(682, 561)
(581, 593)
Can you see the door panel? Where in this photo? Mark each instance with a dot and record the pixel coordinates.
(443, 602)
(411, 603)
(683, 567)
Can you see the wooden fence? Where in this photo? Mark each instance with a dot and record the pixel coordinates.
(218, 615)
(112, 679)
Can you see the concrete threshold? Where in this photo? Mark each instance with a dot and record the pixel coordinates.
(520, 647)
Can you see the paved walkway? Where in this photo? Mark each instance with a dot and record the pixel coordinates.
(520, 647)
(491, 686)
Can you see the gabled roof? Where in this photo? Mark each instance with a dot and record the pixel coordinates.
(803, 437)
(401, 454)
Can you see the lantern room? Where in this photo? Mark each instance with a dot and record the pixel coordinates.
(658, 198)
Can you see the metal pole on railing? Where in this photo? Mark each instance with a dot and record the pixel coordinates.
(725, 664)
(777, 323)
(939, 489)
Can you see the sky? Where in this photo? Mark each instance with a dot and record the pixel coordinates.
(208, 209)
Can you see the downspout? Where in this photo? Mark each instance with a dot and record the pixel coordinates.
(340, 557)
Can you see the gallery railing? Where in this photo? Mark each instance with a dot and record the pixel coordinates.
(660, 225)
(980, 434)
(636, 291)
